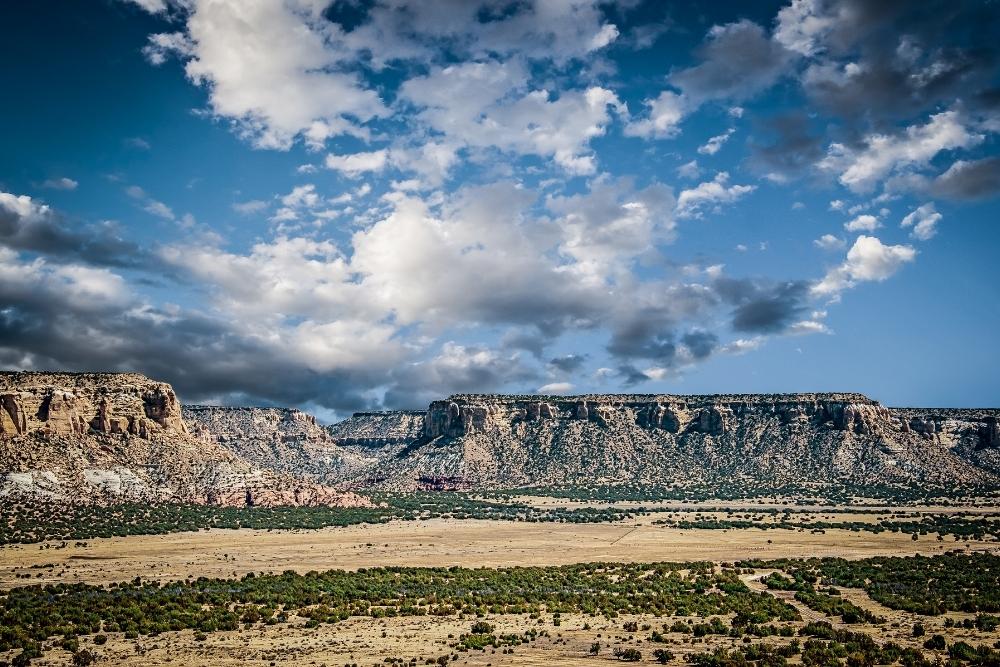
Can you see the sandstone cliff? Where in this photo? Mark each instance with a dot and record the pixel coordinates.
(280, 439)
(107, 437)
(488, 441)
(378, 429)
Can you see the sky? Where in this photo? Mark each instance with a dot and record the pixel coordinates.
(366, 204)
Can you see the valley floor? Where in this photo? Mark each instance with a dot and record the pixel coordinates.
(439, 542)
(565, 639)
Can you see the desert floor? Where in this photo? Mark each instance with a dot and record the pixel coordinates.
(415, 640)
(436, 542)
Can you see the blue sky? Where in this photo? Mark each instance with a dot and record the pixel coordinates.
(372, 204)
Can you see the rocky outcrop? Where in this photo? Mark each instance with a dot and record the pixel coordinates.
(503, 441)
(279, 439)
(13, 420)
(110, 437)
(379, 429)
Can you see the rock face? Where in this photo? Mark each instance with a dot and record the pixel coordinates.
(491, 441)
(114, 437)
(92, 437)
(379, 429)
(279, 439)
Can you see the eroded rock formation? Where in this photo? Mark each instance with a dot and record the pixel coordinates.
(108, 437)
(502, 441)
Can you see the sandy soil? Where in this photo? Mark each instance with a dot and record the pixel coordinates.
(365, 641)
(436, 542)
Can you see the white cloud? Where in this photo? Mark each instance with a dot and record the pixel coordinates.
(801, 26)
(923, 220)
(712, 146)
(159, 209)
(358, 163)
(710, 194)
(555, 388)
(743, 345)
(60, 184)
(807, 327)
(270, 68)
(250, 207)
(862, 223)
(151, 6)
(689, 170)
(861, 169)
(487, 105)
(663, 118)
(607, 229)
(829, 242)
(23, 206)
(607, 34)
(867, 260)
(86, 288)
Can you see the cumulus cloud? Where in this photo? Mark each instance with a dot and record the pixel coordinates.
(969, 180)
(738, 60)
(762, 307)
(862, 223)
(735, 62)
(689, 170)
(455, 369)
(802, 24)
(270, 69)
(62, 183)
(709, 195)
(569, 363)
(608, 228)
(829, 242)
(924, 221)
(29, 225)
(488, 105)
(786, 146)
(662, 118)
(867, 260)
(357, 163)
(286, 71)
(713, 145)
(860, 169)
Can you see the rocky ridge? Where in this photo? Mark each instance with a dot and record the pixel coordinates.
(378, 429)
(107, 437)
(281, 439)
(491, 441)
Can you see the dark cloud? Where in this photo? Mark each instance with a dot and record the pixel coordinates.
(569, 363)
(647, 334)
(761, 307)
(49, 324)
(967, 180)
(631, 376)
(36, 228)
(791, 147)
(738, 60)
(532, 341)
(905, 58)
(701, 344)
(457, 369)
